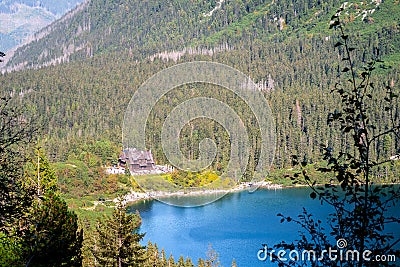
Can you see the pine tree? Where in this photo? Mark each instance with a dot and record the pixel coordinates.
(118, 241)
(163, 258)
(189, 263)
(171, 261)
(49, 233)
(16, 130)
(153, 256)
(181, 262)
(52, 237)
(40, 176)
(201, 263)
(212, 257)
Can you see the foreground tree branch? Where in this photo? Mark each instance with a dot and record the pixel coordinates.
(361, 207)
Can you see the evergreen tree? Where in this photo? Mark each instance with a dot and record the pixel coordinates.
(153, 256)
(52, 237)
(49, 234)
(181, 262)
(171, 261)
(201, 263)
(40, 176)
(212, 259)
(10, 251)
(16, 130)
(118, 241)
(189, 263)
(163, 258)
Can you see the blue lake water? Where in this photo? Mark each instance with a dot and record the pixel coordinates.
(236, 226)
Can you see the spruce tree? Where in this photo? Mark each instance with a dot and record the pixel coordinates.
(189, 263)
(118, 240)
(16, 131)
(212, 259)
(52, 237)
(163, 258)
(181, 262)
(201, 263)
(153, 256)
(49, 234)
(171, 261)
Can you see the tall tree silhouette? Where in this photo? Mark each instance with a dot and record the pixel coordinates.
(16, 130)
(48, 233)
(117, 242)
(361, 209)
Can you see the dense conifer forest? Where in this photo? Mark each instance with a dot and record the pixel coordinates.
(83, 102)
(76, 79)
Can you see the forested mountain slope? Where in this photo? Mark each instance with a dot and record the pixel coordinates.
(147, 27)
(285, 46)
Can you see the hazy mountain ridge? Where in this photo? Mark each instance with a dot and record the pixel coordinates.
(147, 28)
(20, 19)
(57, 8)
(104, 26)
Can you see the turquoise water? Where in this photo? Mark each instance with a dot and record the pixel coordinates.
(236, 226)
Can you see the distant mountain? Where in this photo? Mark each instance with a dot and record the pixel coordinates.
(20, 19)
(148, 28)
(109, 48)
